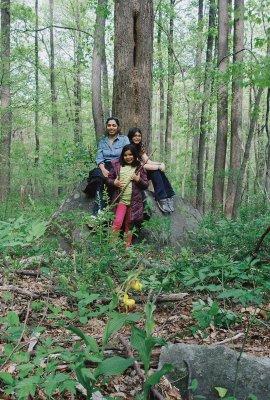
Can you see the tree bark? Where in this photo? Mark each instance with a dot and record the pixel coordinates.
(267, 174)
(205, 106)
(161, 87)
(241, 175)
(36, 159)
(222, 107)
(77, 77)
(6, 115)
(98, 57)
(237, 105)
(133, 56)
(169, 115)
(196, 121)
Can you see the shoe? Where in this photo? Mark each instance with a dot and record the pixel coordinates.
(163, 205)
(170, 204)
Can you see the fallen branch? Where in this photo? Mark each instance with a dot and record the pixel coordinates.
(137, 367)
(231, 339)
(22, 292)
(28, 272)
(259, 243)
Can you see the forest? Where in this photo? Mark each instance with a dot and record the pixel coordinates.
(184, 312)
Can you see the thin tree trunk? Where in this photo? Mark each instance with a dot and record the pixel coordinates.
(133, 56)
(36, 87)
(6, 115)
(237, 105)
(241, 175)
(267, 174)
(205, 106)
(54, 113)
(171, 69)
(222, 107)
(105, 82)
(77, 77)
(161, 87)
(196, 120)
(98, 56)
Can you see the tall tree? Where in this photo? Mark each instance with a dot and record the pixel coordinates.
(169, 114)
(161, 85)
(222, 107)
(6, 115)
(237, 104)
(97, 66)
(77, 75)
(133, 56)
(54, 112)
(36, 85)
(205, 106)
(196, 120)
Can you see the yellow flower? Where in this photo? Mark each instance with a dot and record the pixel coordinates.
(136, 285)
(128, 302)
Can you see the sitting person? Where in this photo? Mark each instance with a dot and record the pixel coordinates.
(129, 179)
(109, 149)
(155, 170)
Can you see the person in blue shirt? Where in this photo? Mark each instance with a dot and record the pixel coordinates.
(109, 149)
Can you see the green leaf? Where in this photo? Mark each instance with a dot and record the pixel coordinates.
(113, 366)
(27, 386)
(6, 378)
(116, 322)
(88, 340)
(221, 391)
(156, 376)
(194, 385)
(149, 314)
(12, 319)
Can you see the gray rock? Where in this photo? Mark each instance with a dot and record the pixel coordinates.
(217, 366)
(161, 229)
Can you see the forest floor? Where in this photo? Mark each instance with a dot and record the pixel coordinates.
(173, 322)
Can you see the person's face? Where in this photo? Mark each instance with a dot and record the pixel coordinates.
(128, 157)
(112, 127)
(137, 138)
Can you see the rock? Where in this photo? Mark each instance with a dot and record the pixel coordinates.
(161, 229)
(217, 366)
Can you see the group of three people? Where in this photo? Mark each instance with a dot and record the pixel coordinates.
(124, 167)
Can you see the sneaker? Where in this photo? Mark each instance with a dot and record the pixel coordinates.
(170, 204)
(163, 205)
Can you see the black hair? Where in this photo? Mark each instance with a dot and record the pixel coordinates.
(133, 151)
(131, 134)
(113, 119)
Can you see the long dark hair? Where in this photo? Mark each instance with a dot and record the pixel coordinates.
(113, 119)
(133, 151)
(140, 146)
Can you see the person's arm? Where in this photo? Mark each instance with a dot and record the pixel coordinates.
(111, 177)
(100, 159)
(150, 165)
(141, 179)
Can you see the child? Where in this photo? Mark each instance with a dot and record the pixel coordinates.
(155, 171)
(130, 179)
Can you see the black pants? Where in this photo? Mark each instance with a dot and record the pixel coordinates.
(162, 187)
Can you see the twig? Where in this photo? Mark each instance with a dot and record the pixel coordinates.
(259, 243)
(231, 339)
(20, 338)
(137, 367)
(23, 292)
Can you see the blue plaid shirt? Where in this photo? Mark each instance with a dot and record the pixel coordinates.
(108, 152)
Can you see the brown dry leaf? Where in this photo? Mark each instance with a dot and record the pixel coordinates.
(169, 391)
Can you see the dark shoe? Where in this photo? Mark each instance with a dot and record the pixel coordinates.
(170, 204)
(163, 205)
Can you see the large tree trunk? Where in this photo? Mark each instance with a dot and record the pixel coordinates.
(133, 55)
(161, 87)
(205, 107)
(54, 113)
(237, 102)
(77, 77)
(241, 175)
(195, 123)
(6, 116)
(222, 107)
(97, 64)
(36, 87)
(169, 115)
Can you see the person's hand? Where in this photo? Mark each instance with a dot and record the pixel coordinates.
(161, 167)
(136, 177)
(105, 172)
(119, 184)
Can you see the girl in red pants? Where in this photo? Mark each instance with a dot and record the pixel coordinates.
(130, 179)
